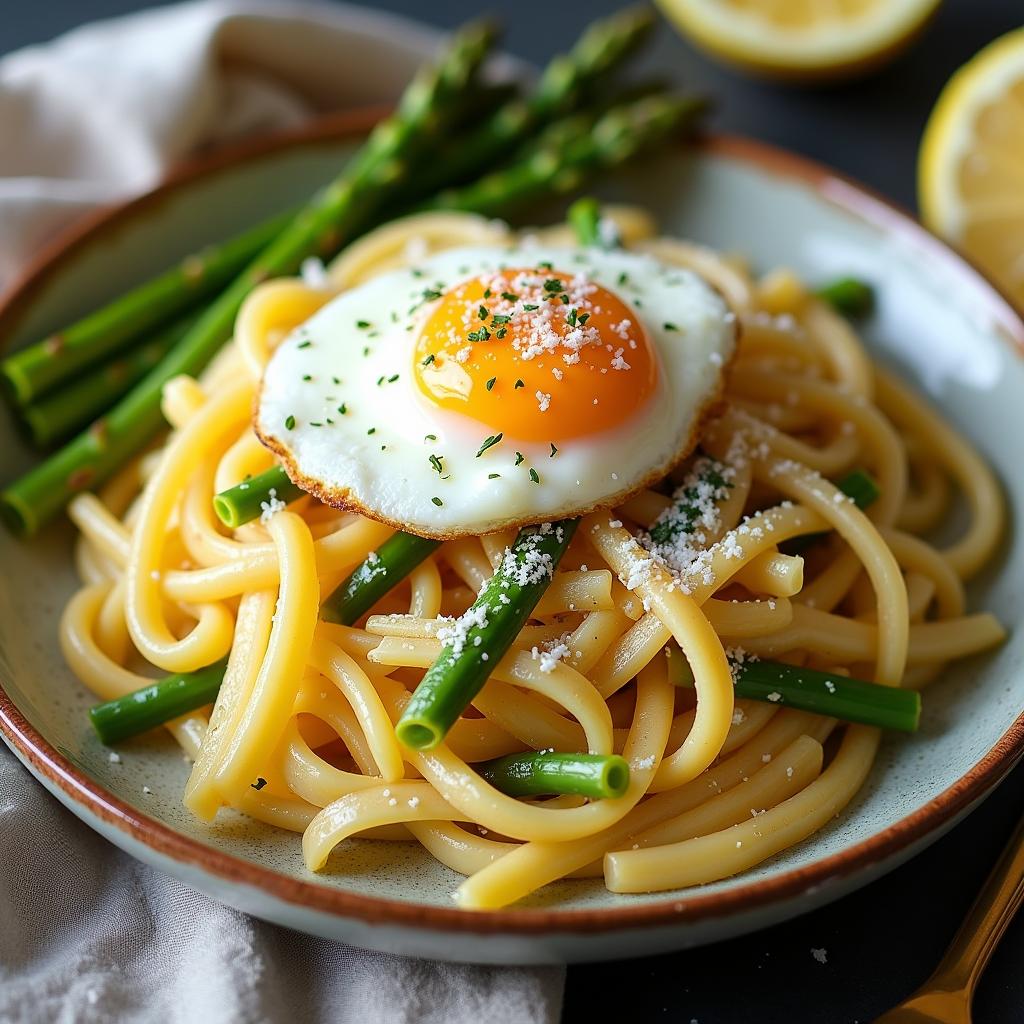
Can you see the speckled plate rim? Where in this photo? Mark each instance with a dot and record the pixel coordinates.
(89, 797)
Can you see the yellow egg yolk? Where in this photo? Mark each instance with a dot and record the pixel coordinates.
(536, 353)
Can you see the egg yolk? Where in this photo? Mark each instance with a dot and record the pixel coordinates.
(536, 353)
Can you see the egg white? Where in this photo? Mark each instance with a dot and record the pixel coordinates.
(375, 455)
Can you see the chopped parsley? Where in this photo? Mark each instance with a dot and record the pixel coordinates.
(436, 463)
(519, 458)
(483, 312)
(519, 384)
(307, 376)
(289, 423)
(363, 325)
(481, 335)
(493, 476)
(305, 344)
(489, 442)
(554, 450)
(343, 408)
(490, 383)
(430, 437)
(687, 504)
(509, 296)
(258, 784)
(669, 327)
(372, 430)
(534, 475)
(437, 501)
(393, 378)
(428, 360)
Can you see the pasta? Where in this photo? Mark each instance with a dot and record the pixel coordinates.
(302, 732)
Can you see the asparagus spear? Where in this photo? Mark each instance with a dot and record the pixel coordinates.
(43, 366)
(153, 705)
(571, 151)
(824, 693)
(246, 501)
(540, 773)
(483, 634)
(585, 218)
(58, 414)
(366, 183)
(564, 84)
(373, 578)
(848, 295)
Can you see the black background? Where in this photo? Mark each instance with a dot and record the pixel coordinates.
(883, 941)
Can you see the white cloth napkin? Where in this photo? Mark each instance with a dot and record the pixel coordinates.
(104, 111)
(88, 935)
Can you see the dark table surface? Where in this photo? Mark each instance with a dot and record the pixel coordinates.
(884, 940)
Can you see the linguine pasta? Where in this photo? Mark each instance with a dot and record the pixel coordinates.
(302, 733)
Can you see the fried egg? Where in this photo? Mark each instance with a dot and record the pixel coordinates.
(494, 387)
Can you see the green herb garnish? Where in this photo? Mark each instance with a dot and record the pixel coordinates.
(489, 442)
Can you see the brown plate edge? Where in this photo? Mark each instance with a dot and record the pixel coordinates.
(686, 907)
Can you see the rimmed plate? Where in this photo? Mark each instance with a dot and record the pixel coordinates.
(938, 322)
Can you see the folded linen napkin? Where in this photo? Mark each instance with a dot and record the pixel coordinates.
(86, 933)
(102, 112)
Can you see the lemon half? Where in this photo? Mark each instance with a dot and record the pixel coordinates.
(971, 164)
(801, 39)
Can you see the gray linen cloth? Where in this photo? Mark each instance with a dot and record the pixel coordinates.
(87, 934)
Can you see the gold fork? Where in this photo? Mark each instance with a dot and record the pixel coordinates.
(945, 998)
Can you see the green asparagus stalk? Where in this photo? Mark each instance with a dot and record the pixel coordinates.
(849, 295)
(369, 581)
(584, 216)
(57, 359)
(544, 773)
(373, 578)
(572, 151)
(154, 705)
(248, 500)
(827, 693)
(564, 86)
(58, 414)
(483, 634)
(366, 183)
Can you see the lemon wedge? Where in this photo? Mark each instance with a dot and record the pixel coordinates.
(801, 39)
(971, 164)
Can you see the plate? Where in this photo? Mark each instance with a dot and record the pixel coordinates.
(938, 322)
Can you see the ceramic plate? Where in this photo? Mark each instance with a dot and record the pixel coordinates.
(938, 322)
